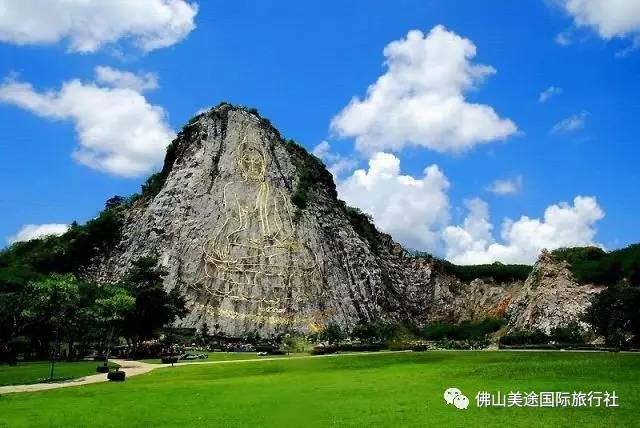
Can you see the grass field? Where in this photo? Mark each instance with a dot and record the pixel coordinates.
(402, 389)
(38, 371)
(228, 356)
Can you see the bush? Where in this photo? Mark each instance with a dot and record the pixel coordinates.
(376, 332)
(439, 331)
(332, 333)
(525, 337)
(102, 369)
(324, 350)
(400, 346)
(116, 376)
(466, 330)
(563, 346)
(476, 330)
(461, 344)
(293, 342)
(571, 333)
(360, 347)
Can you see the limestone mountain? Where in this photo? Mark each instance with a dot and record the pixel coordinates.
(249, 228)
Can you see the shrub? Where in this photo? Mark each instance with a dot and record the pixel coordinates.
(324, 350)
(571, 333)
(332, 333)
(116, 376)
(475, 330)
(525, 337)
(439, 331)
(169, 359)
(293, 342)
(360, 347)
(466, 330)
(375, 332)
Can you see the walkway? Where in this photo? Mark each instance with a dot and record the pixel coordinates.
(134, 368)
(131, 368)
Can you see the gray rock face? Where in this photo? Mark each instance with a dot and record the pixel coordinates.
(551, 297)
(247, 259)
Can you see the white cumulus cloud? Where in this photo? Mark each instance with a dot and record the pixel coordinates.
(609, 18)
(563, 225)
(119, 131)
(412, 210)
(88, 25)
(506, 186)
(420, 99)
(125, 79)
(33, 231)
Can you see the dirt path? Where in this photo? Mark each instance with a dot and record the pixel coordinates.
(134, 368)
(131, 368)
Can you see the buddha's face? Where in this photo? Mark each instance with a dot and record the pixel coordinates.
(252, 164)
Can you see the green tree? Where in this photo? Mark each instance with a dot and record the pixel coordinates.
(570, 333)
(332, 333)
(110, 310)
(53, 304)
(614, 314)
(14, 278)
(154, 307)
(375, 332)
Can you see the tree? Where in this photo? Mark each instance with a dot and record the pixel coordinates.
(377, 331)
(614, 314)
(154, 307)
(111, 309)
(570, 333)
(202, 336)
(332, 333)
(14, 278)
(53, 304)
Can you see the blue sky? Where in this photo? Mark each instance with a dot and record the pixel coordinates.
(300, 64)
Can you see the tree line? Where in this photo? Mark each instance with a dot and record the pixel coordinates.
(62, 314)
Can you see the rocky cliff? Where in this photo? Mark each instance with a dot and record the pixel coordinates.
(250, 229)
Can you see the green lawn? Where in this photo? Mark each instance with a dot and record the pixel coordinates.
(38, 371)
(228, 356)
(403, 389)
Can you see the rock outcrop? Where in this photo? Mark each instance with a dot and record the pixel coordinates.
(250, 229)
(551, 297)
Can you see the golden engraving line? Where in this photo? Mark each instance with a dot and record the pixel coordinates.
(255, 255)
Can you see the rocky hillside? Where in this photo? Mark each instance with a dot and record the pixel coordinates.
(250, 229)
